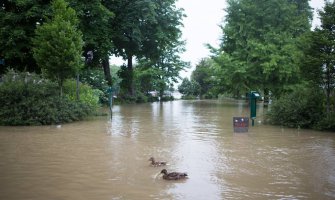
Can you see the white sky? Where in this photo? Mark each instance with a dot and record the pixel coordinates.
(201, 27)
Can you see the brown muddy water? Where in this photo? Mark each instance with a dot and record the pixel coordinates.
(107, 159)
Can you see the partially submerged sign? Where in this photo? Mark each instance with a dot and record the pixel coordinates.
(241, 124)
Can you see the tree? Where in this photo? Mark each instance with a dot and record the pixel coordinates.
(58, 44)
(144, 29)
(127, 37)
(95, 23)
(208, 74)
(189, 88)
(259, 48)
(319, 60)
(165, 70)
(18, 20)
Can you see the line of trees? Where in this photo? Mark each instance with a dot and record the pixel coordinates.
(268, 46)
(148, 31)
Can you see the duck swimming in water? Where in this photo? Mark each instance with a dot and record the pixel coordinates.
(173, 175)
(156, 163)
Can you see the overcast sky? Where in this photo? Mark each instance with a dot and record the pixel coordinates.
(201, 27)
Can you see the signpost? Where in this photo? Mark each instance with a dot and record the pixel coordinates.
(253, 96)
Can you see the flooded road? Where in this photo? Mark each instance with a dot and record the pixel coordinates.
(108, 159)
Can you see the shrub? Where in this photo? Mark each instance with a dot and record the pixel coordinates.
(141, 98)
(28, 99)
(87, 95)
(327, 123)
(96, 79)
(301, 108)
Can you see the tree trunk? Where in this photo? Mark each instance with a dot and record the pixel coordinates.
(107, 72)
(130, 75)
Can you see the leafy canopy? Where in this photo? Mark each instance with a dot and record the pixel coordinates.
(259, 48)
(58, 43)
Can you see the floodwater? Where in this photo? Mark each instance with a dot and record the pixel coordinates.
(107, 159)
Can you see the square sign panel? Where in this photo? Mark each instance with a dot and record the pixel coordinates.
(241, 124)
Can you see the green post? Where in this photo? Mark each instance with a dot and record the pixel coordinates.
(253, 96)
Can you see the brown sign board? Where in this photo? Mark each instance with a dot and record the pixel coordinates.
(241, 124)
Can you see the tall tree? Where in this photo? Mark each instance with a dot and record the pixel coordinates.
(260, 42)
(95, 23)
(58, 44)
(129, 16)
(144, 29)
(319, 60)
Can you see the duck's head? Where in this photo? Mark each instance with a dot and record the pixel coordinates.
(164, 171)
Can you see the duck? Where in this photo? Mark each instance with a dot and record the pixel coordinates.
(173, 175)
(156, 163)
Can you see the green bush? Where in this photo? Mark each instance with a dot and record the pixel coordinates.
(28, 99)
(300, 108)
(141, 98)
(128, 99)
(327, 123)
(96, 79)
(87, 95)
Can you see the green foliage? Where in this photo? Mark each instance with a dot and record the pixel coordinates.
(18, 20)
(126, 77)
(27, 99)
(94, 22)
(301, 107)
(58, 44)
(127, 99)
(148, 30)
(189, 88)
(146, 79)
(327, 123)
(259, 46)
(96, 79)
(209, 77)
(318, 65)
(160, 74)
(87, 95)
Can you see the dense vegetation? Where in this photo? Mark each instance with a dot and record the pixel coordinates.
(29, 99)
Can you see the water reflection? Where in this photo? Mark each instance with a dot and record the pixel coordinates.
(108, 159)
